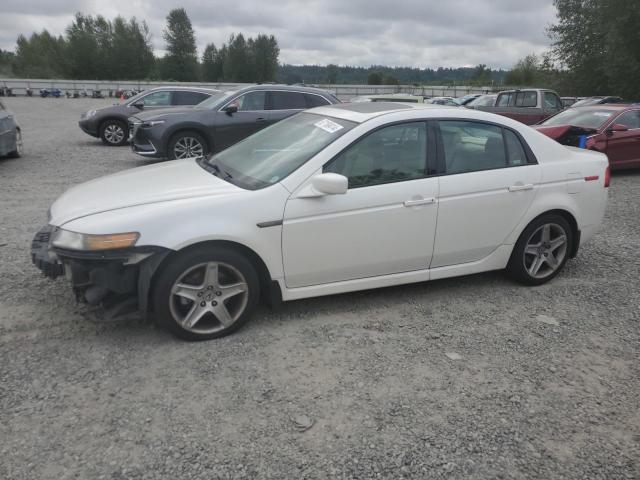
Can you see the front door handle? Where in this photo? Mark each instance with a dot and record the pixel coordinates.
(519, 188)
(261, 119)
(419, 201)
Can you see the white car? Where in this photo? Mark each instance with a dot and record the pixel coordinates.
(335, 199)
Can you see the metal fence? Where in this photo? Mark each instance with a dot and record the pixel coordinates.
(343, 92)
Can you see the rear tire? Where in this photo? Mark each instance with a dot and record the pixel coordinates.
(542, 250)
(114, 133)
(204, 293)
(187, 145)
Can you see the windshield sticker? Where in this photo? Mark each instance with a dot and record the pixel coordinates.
(328, 126)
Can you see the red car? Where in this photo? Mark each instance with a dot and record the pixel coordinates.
(610, 129)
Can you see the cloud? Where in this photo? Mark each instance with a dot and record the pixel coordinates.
(421, 33)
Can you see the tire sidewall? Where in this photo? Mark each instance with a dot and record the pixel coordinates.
(178, 136)
(516, 267)
(177, 264)
(121, 124)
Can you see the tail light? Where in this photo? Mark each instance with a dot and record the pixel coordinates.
(607, 177)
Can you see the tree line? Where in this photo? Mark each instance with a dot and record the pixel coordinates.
(95, 48)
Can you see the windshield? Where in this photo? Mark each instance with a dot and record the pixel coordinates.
(484, 101)
(274, 153)
(215, 100)
(580, 117)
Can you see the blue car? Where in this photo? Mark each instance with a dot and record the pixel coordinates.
(10, 134)
(54, 92)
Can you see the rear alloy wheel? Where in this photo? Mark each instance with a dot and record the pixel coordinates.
(206, 294)
(114, 133)
(187, 145)
(17, 153)
(542, 250)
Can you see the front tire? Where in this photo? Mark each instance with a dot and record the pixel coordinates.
(542, 250)
(17, 153)
(114, 133)
(206, 293)
(187, 145)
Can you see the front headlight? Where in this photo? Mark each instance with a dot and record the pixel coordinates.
(152, 123)
(80, 241)
(90, 113)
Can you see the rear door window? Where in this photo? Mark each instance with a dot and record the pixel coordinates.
(181, 97)
(281, 100)
(527, 99)
(472, 146)
(503, 100)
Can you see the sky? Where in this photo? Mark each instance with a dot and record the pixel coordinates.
(419, 33)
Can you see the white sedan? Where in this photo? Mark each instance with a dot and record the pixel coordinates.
(332, 200)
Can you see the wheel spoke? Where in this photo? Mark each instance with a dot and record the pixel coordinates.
(229, 291)
(557, 242)
(535, 265)
(211, 274)
(551, 260)
(546, 233)
(186, 291)
(194, 315)
(222, 314)
(532, 249)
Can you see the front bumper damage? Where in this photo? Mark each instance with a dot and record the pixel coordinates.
(118, 280)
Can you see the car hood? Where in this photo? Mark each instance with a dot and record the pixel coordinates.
(161, 113)
(162, 182)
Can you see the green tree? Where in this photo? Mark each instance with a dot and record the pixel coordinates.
(481, 75)
(332, 73)
(598, 45)
(181, 61)
(6, 63)
(210, 64)
(525, 73)
(82, 50)
(40, 56)
(374, 78)
(264, 52)
(132, 52)
(237, 62)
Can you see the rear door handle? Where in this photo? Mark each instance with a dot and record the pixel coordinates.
(519, 188)
(261, 119)
(419, 201)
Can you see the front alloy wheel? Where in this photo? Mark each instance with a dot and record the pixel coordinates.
(209, 297)
(205, 293)
(187, 147)
(17, 153)
(114, 132)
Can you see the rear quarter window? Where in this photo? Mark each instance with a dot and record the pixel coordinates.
(315, 100)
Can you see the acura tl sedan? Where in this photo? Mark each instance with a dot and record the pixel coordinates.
(335, 199)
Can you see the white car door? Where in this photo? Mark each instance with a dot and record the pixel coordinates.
(384, 224)
(488, 181)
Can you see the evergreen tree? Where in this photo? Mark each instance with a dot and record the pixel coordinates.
(181, 61)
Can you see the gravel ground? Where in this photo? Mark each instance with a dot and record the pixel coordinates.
(473, 377)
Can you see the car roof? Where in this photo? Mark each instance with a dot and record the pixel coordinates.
(276, 86)
(210, 91)
(609, 106)
(360, 112)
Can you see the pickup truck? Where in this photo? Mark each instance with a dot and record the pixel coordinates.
(528, 106)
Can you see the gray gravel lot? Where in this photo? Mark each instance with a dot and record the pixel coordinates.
(546, 385)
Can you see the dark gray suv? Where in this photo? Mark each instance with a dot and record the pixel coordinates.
(110, 123)
(221, 121)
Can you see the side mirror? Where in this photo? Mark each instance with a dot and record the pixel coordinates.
(618, 127)
(231, 108)
(325, 184)
(138, 105)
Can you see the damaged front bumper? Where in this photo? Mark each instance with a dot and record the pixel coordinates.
(118, 279)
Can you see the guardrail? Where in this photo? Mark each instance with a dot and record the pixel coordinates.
(20, 86)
